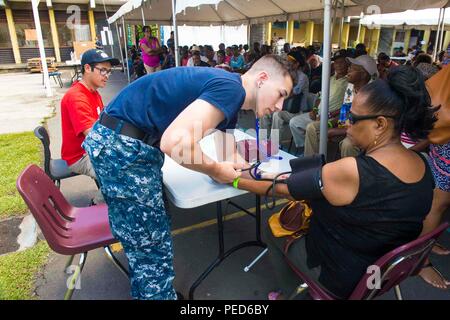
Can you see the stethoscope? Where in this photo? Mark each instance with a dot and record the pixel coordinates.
(253, 169)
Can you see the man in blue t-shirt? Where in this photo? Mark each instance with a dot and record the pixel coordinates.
(170, 112)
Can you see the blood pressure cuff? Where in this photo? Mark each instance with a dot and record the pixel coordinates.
(305, 181)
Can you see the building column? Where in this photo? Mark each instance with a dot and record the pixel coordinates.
(54, 32)
(362, 35)
(158, 36)
(290, 37)
(345, 36)
(446, 40)
(13, 35)
(269, 33)
(92, 24)
(426, 38)
(309, 36)
(407, 38)
(374, 41)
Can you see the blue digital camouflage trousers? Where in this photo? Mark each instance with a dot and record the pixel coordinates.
(130, 176)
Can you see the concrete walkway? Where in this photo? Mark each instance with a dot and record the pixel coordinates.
(195, 247)
(23, 104)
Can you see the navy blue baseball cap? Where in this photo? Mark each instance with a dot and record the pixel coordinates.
(97, 56)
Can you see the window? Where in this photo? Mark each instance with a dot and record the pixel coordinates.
(400, 36)
(24, 43)
(67, 35)
(5, 40)
(64, 35)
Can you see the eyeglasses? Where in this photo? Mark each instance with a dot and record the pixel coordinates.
(353, 118)
(104, 71)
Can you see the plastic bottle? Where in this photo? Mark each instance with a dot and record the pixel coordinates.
(343, 114)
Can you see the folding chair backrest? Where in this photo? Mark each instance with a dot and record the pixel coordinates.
(47, 204)
(42, 134)
(396, 266)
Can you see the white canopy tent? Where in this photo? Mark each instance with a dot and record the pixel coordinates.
(232, 12)
(235, 12)
(224, 12)
(409, 17)
(427, 17)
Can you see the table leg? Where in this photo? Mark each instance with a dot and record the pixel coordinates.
(75, 74)
(258, 218)
(224, 254)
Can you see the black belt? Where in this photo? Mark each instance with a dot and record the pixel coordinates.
(127, 129)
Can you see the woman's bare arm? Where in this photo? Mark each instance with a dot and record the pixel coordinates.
(340, 183)
(260, 187)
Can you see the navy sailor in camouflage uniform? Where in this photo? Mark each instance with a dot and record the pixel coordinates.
(156, 115)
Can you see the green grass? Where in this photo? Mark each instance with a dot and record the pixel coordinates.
(17, 150)
(18, 272)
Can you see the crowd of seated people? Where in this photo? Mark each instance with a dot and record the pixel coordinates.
(359, 76)
(377, 107)
(390, 144)
(235, 58)
(351, 75)
(355, 218)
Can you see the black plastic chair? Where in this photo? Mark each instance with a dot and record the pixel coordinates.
(56, 169)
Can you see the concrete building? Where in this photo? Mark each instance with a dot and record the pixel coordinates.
(382, 39)
(62, 23)
(89, 18)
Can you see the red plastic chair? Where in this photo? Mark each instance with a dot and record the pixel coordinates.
(395, 266)
(68, 230)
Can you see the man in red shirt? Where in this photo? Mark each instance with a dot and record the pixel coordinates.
(80, 109)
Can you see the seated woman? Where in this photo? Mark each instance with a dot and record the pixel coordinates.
(364, 206)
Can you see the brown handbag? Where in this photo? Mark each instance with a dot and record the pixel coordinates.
(292, 219)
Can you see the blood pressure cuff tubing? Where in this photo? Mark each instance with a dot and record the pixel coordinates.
(305, 181)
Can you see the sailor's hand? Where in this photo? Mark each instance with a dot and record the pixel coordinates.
(226, 172)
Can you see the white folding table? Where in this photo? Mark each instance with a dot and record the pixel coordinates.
(76, 67)
(190, 189)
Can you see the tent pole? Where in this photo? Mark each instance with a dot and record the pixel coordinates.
(143, 16)
(248, 32)
(287, 30)
(175, 31)
(333, 21)
(37, 23)
(341, 27)
(109, 28)
(325, 78)
(120, 46)
(441, 38)
(436, 40)
(126, 48)
(222, 33)
(359, 30)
